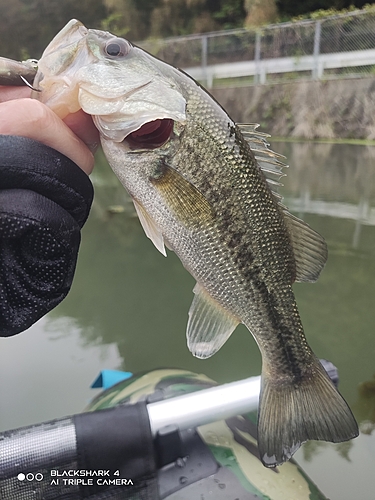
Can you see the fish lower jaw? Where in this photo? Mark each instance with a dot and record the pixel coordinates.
(62, 103)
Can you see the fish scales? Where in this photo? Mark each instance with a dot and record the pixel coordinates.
(264, 242)
(200, 189)
(277, 328)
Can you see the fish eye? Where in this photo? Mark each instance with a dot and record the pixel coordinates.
(117, 47)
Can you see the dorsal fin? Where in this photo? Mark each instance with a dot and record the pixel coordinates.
(270, 162)
(310, 249)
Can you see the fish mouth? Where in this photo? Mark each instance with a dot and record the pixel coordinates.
(151, 135)
(129, 98)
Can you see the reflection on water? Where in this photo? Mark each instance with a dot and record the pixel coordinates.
(129, 297)
(339, 182)
(46, 372)
(332, 186)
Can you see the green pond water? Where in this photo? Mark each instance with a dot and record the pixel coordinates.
(128, 310)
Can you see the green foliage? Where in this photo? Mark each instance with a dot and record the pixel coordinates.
(291, 9)
(143, 19)
(114, 23)
(231, 14)
(27, 26)
(319, 14)
(129, 17)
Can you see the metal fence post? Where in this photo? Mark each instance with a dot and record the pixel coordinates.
(317, 72)
(257, 75)
(207, 80)
(284, 51)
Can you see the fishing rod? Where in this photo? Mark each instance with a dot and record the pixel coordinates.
(126, 441)
(135, 441)
(205, 406)
(213, 404)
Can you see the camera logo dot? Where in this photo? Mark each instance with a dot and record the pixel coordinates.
(30, 476)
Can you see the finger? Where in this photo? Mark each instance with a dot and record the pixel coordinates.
(10, 93)
(80, 123)
(32, 119)
(83, 126)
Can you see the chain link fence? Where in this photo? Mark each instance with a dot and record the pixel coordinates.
(333, 47)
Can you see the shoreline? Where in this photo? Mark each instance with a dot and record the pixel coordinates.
(329, 110)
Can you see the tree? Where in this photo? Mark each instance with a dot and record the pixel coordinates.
(260, 12)
(291, 8)
(142, 19)
(229, 13)
(27, 26)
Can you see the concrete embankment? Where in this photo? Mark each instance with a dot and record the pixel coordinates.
(332, 109)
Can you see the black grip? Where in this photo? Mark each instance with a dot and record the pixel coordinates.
(117, 440)
(44, 201)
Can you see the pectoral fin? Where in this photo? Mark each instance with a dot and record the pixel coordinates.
(186, 202)
(150, 228)
(209, 325)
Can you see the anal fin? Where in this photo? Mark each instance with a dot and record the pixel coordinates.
(150, 228)
(209, 325)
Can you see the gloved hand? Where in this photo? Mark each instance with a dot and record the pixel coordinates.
(45, 199)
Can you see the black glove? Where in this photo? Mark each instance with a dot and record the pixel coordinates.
(45, 199)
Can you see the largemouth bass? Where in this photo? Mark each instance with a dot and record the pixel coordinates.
(202, 186)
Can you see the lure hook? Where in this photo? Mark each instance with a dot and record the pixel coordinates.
(29, 84)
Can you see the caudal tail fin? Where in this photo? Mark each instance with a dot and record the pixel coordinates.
(290, 414)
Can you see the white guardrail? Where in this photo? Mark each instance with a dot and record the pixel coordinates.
(322, 48)
(263, 67)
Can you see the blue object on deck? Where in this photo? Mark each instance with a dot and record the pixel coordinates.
(108, 378)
